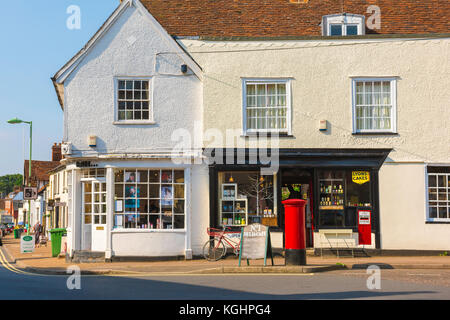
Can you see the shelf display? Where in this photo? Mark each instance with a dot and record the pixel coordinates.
(229, 191)
(332, 194)
(233, 212)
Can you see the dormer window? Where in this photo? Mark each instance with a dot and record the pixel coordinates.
(344, 24)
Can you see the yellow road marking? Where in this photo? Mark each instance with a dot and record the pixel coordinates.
(135, 275)
(8, 266)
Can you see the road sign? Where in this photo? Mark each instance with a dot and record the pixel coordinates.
(29, 193)
(255, 243)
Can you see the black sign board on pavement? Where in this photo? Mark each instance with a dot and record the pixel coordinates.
(255, 243)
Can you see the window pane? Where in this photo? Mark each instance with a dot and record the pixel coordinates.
(130, 221)
(142, 191)
(179, 176)
(154, 176)
(432, 181)
(433, 212)
(261, 89)
(166, 176)
(154, 206)
(352, 30)
(154, 191)
(281, 88)
(178, 206)
(271, 89)
(336, 30)
(179, 222)
(442, 212)
(251, 89)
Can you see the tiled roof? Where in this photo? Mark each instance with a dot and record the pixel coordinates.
(291, 18)
(39, 170)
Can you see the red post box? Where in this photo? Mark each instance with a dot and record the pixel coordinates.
(295, 232)
(364, 227)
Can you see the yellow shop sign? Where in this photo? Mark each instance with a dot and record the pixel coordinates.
(360, 177)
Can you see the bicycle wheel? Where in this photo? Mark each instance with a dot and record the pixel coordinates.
(213, 251)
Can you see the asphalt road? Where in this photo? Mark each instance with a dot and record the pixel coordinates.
(15, 284)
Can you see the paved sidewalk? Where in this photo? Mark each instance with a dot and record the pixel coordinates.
(42, 262)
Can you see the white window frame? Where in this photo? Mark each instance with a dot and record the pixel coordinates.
(343, 20)
(393, 81)
(150, 96)
(427, 198)
(287, 81)
(186, 213)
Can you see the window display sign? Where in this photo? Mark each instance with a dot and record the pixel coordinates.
(131, 192)
(166, 196)
(360, 177)
(255, 243)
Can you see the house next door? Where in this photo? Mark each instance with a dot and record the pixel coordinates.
(94, 216)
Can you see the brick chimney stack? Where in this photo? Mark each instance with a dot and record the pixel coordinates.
(56, 152)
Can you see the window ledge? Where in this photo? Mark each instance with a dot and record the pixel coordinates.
(134, 122)
(375, 133)
(148, 231)
(266, 134)
(437, 222)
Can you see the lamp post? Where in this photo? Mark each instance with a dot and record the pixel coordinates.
(18, 121)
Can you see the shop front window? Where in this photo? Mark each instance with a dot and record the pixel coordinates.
(149, 199)
(342, 193)
(246, 198)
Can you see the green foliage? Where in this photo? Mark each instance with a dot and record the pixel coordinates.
(8, 182)
(445, 254)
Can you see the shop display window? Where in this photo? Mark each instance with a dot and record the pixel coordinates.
(341, 194)
(149, 199)
(246, 197)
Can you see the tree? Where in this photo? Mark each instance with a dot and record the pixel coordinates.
(259, 188)
(8, 182)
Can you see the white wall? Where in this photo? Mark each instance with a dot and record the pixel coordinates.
(148, 244)
(403, 210)
(321, 74)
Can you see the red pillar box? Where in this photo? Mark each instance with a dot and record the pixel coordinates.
(295, 232)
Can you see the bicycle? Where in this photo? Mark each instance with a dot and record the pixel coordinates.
(214, 249)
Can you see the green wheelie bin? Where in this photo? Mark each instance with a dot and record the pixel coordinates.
(56, 235)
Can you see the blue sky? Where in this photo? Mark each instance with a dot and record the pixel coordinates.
(35, 43)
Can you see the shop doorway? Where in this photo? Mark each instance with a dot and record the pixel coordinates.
(93, 216)
(298, 184)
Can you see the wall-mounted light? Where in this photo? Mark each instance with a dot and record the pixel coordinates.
(184, 68)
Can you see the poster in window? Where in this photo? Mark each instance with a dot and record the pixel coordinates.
(132, 177)
(166, 177)
(166, 196)
(119, 206)
(119, 221)
(131, 192)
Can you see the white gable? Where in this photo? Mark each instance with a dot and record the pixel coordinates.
(130, 45)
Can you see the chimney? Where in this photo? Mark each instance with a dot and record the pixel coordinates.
(56, 152)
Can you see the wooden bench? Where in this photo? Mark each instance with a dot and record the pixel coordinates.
(336, 239)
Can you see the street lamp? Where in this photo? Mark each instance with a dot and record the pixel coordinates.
(18, 121)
